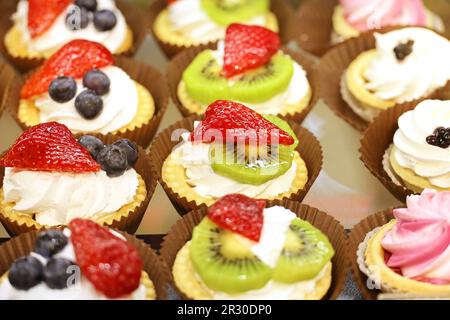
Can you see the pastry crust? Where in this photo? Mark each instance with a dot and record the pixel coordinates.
(188, 282)
(18, 48)
(163, 30)
(21, 218)
(28, 113)
(174, 175)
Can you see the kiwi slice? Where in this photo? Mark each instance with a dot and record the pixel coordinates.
(205, 84)
(225, 12)
(223, 262)
(306, 251)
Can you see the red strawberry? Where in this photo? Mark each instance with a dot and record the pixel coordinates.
(42, 14)
(49, 147)
(169, 2)
(73, 59)
(240, 214)
(241, 122)
(248, 47)
(111, 264)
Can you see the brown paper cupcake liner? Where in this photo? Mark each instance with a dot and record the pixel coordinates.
(309, 149)
(181, 232)
(282, 10)
(7, 73)
(155, 267)
(379, 136)
(128, 223)
(183, 60)
(331, 68)
(144, 74)
(132, 15)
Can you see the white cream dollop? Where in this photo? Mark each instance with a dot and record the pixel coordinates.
(120, 106)
(59, 34)
(411, 148)
(188, 18)
(80, 290)
(57, 198)
(419, 74)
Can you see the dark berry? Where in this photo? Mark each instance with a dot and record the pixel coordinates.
(77, 18)
(89, 104)
(104, 20)
(62, 89)
(130, 149)
(440, 138)
(90, 5)
(92, 144)
(113, 160)
(25, 273)
(97, 81)
(49, 243)
(402, 50)
(57, 273)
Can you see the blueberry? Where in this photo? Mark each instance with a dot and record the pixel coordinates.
(92, 144)
(89, 5)
(25, 273)
(97, 81)
(113, 160)
(104, 20)
(89, 104)
(57, 273)
(50, 242)
(62, 89)
(77, 18)
(130, 149)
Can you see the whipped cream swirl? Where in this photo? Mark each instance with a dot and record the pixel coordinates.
(419, 242)
(411, 148)
(419, 74)
(59, 34)
(120, 106)
(57, 198)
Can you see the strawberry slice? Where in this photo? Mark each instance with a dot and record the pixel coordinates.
(240, 214)
(42, 14)
(248, 47)
(111, 264)
(74, 59)
(49, 147)
(239, 123)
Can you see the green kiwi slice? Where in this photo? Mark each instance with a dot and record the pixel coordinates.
(306, 251)
(205, 84)
(223, 262)
(225, 12)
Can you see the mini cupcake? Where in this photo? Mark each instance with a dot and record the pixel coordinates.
(234, 150)
(249, 66)
(241, 249)
(40, 28)
(83, 262)
(409, 254)
(50, 178)
(81, 87)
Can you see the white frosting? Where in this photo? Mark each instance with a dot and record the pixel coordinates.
(411, 149)
(120, 106)
(81, 290)
(188, 18)
(59, 34)
(419, 74)
(195, 158)
(57, 198)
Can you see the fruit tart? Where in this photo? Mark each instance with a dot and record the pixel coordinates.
(41, 27)
(51, 178)
(248, 66)
(81, 87)
(85, 261)
(242, 250)
(410, 254)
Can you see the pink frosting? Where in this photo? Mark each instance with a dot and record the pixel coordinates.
(419, 242)
(371, 14)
